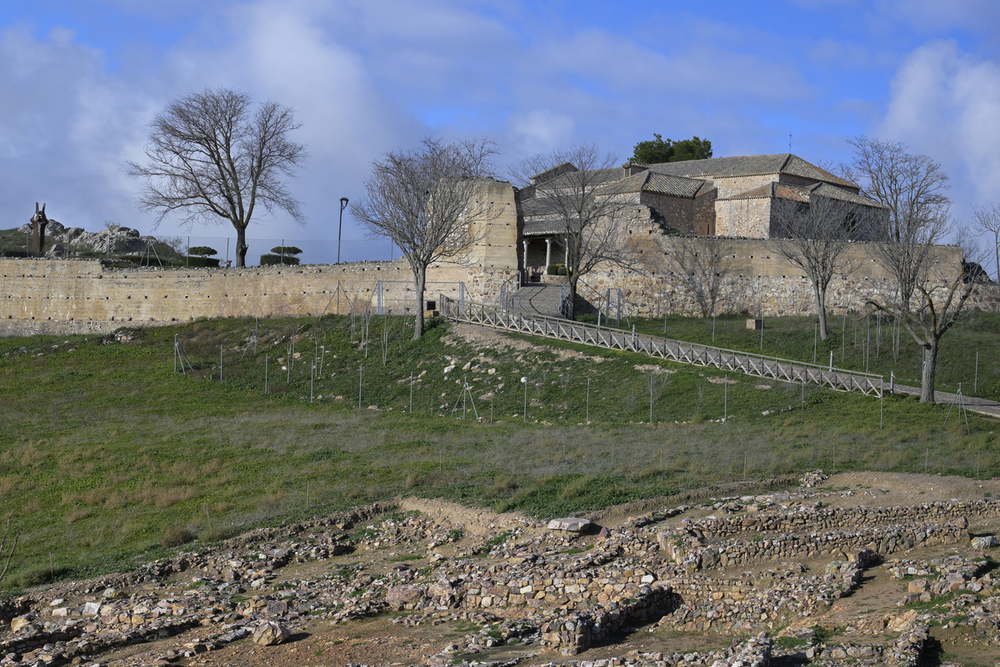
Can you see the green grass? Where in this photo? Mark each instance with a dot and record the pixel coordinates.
(107, 452)
(857, 343)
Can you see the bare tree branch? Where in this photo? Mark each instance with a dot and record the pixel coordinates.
(211, 160)
(568, 187)
(428, 202)
(912, 188)
(814, 233)
(701, 266)
(987, 221)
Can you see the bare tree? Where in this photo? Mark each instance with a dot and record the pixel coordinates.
(212, 159)
(912, 188)
(941, 290)
(566, 187)
(701, 266)
(428, 202)
(814, 233)
(987, 221)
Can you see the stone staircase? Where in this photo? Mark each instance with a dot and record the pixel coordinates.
(538, 299)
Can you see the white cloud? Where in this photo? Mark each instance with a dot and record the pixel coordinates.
(945, 103)
(61, 121)
(540, 131)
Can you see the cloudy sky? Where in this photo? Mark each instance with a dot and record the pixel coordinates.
(80, 80)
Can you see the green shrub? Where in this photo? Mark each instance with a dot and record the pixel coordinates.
(210, 262)
(274, 260)
(202, 251)
(556, 270)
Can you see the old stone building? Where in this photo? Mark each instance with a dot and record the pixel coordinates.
(732, 197)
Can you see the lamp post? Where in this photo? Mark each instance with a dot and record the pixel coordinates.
(340, 229)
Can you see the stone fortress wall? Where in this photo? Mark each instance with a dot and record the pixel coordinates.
(57, 296)
(759, 281)
(83, 296)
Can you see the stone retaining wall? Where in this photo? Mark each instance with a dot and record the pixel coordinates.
(53, 296)
(754, 652)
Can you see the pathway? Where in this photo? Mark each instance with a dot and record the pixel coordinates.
(983, 406)
(532, 301)
(538, 299)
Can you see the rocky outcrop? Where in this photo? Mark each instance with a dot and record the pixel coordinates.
(113, 239)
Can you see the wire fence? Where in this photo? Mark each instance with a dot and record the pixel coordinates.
(314, 251)
(364, 362)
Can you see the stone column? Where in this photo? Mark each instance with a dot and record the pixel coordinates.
(548, 253)
(525, 256)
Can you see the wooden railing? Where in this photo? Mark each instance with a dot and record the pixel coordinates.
(784, 370)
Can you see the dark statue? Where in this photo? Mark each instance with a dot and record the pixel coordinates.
(38, 223)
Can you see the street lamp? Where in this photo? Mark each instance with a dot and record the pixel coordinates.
(340, 229)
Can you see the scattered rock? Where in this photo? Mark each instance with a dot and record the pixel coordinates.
(271, 633)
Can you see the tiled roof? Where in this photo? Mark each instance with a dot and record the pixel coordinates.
(803, 193)
(544, 226)
(531, 207)
(749, 165)
(832, 192)
(656, 183)
(594, 177)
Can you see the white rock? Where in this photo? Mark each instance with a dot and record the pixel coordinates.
(572, 525)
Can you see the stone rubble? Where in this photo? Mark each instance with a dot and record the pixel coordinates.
(557, 590)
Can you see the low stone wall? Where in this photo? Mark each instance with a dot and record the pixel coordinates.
(578, 631)
(736, 607)
(883, 540)
(828, 519)
(754, 652)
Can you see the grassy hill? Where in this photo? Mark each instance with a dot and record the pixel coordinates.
(111, 447)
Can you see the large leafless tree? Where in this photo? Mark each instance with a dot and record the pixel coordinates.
(930, 287)
(814, 236)
(912, 188)
(213, 158)
(427, 202)
(701, 267)
(941, 290)
(566, 186)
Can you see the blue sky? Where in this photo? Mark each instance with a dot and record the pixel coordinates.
(81, 80)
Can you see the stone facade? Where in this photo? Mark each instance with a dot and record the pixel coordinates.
(750, 218)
